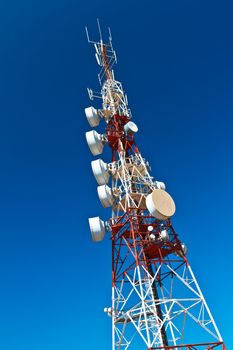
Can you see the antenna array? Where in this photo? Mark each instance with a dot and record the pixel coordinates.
(156, 300)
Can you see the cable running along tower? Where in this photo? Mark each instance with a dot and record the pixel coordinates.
(156, 300)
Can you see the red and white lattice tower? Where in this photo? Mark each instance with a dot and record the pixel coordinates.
(156, 300)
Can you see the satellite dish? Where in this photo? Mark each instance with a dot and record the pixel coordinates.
(94, 141)
(160, 204)
(97, 228)
(152, 237)
(130, 128)
(100, 171)
(184, 248)
(160, 185)
(164, 235)
(92, 115)
(105, 196)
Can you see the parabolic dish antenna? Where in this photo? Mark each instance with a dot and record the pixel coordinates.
(160, 204)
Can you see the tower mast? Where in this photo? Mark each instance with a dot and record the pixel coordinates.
(156, 300)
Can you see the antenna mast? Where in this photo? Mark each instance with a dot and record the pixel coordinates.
(156, 300)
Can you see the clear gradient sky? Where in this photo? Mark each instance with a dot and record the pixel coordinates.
(176, 65)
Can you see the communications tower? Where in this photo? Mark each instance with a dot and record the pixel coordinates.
(156, 300)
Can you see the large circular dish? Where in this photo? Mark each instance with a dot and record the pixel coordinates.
(160, 204)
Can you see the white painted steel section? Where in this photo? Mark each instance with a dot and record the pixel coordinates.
(142, 316)
(205, 304)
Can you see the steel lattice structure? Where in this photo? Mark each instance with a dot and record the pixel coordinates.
(156, 300)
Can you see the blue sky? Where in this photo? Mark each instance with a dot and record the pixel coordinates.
(175, 63)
